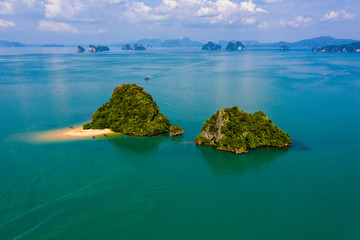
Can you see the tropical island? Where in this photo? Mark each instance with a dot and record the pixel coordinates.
(176, 130)
(352, 47)
(238, 46)
(130, 111)
(234, 130)
(210, 46)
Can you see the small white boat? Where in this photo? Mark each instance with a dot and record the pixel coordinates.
(147, 77)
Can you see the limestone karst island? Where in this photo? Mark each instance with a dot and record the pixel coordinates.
(236, 131)
(130, 111)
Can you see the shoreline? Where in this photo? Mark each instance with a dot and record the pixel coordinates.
(71, 133)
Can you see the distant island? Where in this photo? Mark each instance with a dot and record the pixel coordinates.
(284, 48)
(234, 130)
(352, 47)
(187, 42)
(80, 49)
(210, 46)
(176, 130)
(238, 46)
(10, 44)
(136, 47)
(94, 49)
(130, 111)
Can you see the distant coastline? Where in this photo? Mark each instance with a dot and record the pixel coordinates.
(187, 42)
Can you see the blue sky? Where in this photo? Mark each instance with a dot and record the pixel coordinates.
(113, 21)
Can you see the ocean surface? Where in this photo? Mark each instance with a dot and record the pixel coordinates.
(125, 187)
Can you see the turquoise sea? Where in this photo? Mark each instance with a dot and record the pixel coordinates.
(125, 187)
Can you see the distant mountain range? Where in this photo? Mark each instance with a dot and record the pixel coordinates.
(187, 42)
(10, 44)
(307, 43)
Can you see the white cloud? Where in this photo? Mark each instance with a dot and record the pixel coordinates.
(194, 12)
(6, 24)
(6, 8)
(250, 20)
(45, 25)
(333, 16)
(299, 21)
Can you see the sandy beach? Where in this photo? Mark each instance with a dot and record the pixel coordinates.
(70, 133)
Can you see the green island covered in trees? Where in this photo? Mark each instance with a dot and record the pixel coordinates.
(236, 131)
(176, 130)
(130, 111)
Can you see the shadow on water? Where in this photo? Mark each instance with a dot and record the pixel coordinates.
(225, 163)
(177, 139)
(136, 144)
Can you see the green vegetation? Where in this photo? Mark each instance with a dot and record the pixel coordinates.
(236, 131)
(176, 130)
(130, 111)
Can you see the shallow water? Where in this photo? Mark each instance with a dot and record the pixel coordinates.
(124, 187)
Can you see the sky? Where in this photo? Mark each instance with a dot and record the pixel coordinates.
(117, 21)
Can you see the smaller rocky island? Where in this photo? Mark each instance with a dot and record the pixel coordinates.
(130, 111)
(238, 46)
(126, 47)
(284, 48)
(176, 130)
(95, 49)
(210, 46)
(352, 47)
(234, 130)
(80, 49)
(136, 47)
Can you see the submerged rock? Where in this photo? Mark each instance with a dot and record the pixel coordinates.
(176, 130)
(130, 111)
(236, 131)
